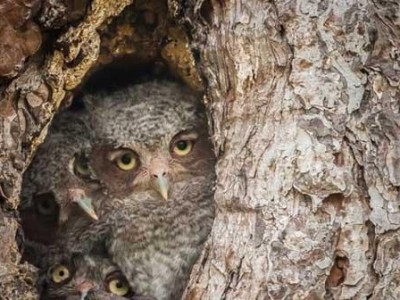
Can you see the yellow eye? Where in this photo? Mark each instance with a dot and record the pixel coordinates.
(183, 147)
(119, 287)
(81, 166)
(126, 161)
(60, 273)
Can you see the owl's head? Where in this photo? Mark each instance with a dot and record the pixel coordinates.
(85, 277)
(152, 136)
(59, 180)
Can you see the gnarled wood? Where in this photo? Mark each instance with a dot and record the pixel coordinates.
(303, 98)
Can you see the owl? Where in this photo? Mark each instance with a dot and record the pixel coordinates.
(58, 183)
(84, 277)
(155, 160)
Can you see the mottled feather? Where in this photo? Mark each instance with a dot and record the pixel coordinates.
(155, 242)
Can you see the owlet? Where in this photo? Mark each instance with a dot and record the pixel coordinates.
(154, 157)
(58, 183)
(85, 277)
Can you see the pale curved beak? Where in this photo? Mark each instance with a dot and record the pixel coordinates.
(86, 205)
(159, 176)
(162, 186)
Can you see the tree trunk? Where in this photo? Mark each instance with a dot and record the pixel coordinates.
(303, 99)
(304, 104)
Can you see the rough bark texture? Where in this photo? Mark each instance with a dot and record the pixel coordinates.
(303, 99)
(304, 103)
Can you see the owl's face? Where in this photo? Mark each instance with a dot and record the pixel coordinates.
(151, 143)
(138, 167)
(59, 181)
(87, 277)
(40, 220)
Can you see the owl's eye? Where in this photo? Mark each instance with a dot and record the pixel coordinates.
(183, 147)
(46, 205)
(60, 273)
(81, 166)
(126, 161)
(118, 285)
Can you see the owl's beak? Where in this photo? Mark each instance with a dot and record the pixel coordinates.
(86, 205)
(159, 176)
(84, 287)
(162, 186)
(78, 196)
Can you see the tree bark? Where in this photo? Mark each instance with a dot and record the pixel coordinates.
(303, 100)
(304, 105)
